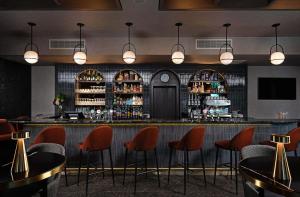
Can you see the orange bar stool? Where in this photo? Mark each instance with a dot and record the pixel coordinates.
(53, 134)
(145, 140)
(191, 141)
(293, 145)
(242, 139)
(5, 130)
(99, 139)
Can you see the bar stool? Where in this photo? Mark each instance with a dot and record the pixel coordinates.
(145, 140)
(191, 141)
(98, 140)
(242, 139)
(293, 145)
(52, 134)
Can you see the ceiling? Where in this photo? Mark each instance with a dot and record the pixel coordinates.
(149, 21)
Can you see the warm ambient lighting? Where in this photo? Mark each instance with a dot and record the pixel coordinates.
(30, 55)
(80, 56)
(177, 50)
(276, 57)
(177, 57)
(129, 49)
(226, 57)
(281, 169)
(128, 57)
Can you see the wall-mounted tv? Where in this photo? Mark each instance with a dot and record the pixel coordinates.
(277, 88)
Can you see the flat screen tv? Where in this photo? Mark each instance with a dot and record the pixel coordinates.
(277, 88)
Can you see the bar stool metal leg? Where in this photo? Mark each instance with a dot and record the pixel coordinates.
(111, 166)
(102, 163)
(203, 166)
(79, 168)
(135, 171)
(185, 170)
(145, 157)
(170, 162)
(157, 167)
(216, 165)
(236, 173)
(125, 165)
(187, 166)
(87, 174)
(230, 164)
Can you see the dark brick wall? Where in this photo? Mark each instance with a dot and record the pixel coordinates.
(15, 89)
(236, 76)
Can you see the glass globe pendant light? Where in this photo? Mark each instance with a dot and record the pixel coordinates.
(276, 57)
(79, 55)
(226, 57)
(178, 49)
(129, 50)
(31, 54)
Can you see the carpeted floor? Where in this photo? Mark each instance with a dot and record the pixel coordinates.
(149, 188)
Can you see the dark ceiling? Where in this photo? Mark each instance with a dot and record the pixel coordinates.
(169, 5)
(60, 5)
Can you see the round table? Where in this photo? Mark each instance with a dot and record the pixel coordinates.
(42, 165)
(259, 170)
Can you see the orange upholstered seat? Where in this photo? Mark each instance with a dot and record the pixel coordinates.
(52, 134)
(99, 139)
(5, 130)
(145, 140)
(242, 139)
(193, 140)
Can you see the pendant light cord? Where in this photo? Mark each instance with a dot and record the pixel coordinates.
(178, 37)
(31, 37)
(80, 38)
(129, 37)
(226, 38)
(276, 38)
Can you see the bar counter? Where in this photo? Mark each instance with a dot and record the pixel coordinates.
(76, 131)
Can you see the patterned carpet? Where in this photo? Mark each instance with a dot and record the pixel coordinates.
(149, 188)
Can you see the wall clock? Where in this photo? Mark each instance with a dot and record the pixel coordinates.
(164, 78)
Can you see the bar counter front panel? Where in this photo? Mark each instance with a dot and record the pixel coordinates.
(76, 132)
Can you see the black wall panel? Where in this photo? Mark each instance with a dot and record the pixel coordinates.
(236, 76)
(15, 89)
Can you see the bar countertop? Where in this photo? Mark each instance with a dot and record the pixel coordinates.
(88, 122)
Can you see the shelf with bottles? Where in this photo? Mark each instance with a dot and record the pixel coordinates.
(127, 112)
(90, 88)
(90, 102)
(207, 81)
(129, 101)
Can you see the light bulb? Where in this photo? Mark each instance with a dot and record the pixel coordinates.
(226, 58)
(31, 57)
(80, 57)
(177, 57)
(277, 58)
(129, 57)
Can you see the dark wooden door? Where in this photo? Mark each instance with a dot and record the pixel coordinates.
(164, 101)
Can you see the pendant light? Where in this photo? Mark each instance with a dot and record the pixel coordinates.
(79, 56)
(276, 57)
(129, 50)
(178, 49)
(226, 57)
(31, 54)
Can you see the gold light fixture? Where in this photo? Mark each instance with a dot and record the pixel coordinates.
(281, 169)
(129, 50)
(20, 167)
(226, 57)
(80, 56)
(276, 57)
(31, 54)
(178, 49)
